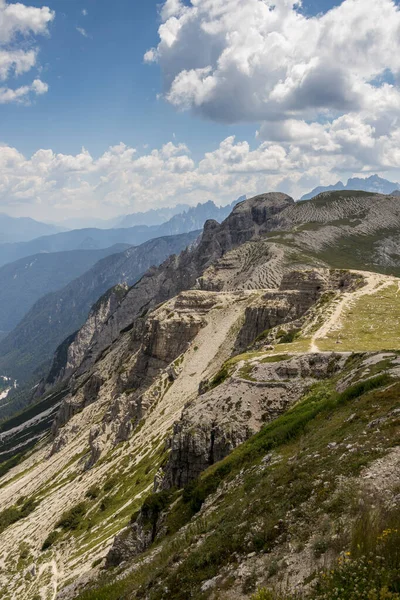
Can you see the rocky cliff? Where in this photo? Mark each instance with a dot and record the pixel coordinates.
(57, 315)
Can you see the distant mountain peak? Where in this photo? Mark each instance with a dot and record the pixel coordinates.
(373, 183)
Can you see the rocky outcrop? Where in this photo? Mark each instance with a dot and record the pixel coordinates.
(137, 372)
(143, 530)
(71, 352)
(274, 308)
(131, 542)
(299, 290)
(255, 394)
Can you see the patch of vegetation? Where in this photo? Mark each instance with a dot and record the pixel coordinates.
(110, 484)
(93, 492)
(15, 513)
(362, 387)
(275, 358)
(263, 335)
(369, 571)
(220, 377)
(151, 509)
(246, 371)
(289, 336)
(72, 518)
(10, 464)
(50, 540)
(371, 319)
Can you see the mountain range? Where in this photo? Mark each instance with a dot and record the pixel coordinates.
(58, 314)
(155, 216)
(374, 183)
(96, 239)
(24, 229)
(227, 423)
(26, 280)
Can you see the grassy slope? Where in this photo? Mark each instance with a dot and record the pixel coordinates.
(369, 322)
(262, 504)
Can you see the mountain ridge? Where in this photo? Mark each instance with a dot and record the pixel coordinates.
(374, 183)
(24, 229)
(58, 314)
(92, 238)
(30, 278)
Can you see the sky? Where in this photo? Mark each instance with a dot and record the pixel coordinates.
(111, 108)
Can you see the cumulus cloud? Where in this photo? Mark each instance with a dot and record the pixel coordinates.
(23, 93)
(264, 60)
(124, 179)
(19, 24)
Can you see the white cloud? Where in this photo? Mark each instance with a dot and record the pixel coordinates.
(19, 19)
(16, 61)
(23, 93)
(150, 56)
(172, 8)
(82, 31)
(84, 12)
(18, 52)
(122, 180)
(39, 87)
(264, 60)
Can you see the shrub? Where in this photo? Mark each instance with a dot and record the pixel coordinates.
(105, 503)
(320, 547)
(11, 515)
(93, 492)
(290, 336)
(153, 506)
(110, 483)
(72, 518)
(50, 540)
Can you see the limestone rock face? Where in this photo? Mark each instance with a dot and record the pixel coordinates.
(139, 535)
(251, 218)
(131, 542)
(137, 371)
(70, 354)
(272, 309)
(219, 420)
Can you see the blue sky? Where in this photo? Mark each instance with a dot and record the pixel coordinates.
(100, 90)
(233, 98)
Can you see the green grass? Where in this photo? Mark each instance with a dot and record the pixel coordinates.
(359, 252)
(369, 324)
(275, 358)
(369, 570)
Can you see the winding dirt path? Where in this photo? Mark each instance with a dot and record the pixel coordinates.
(373, 282)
